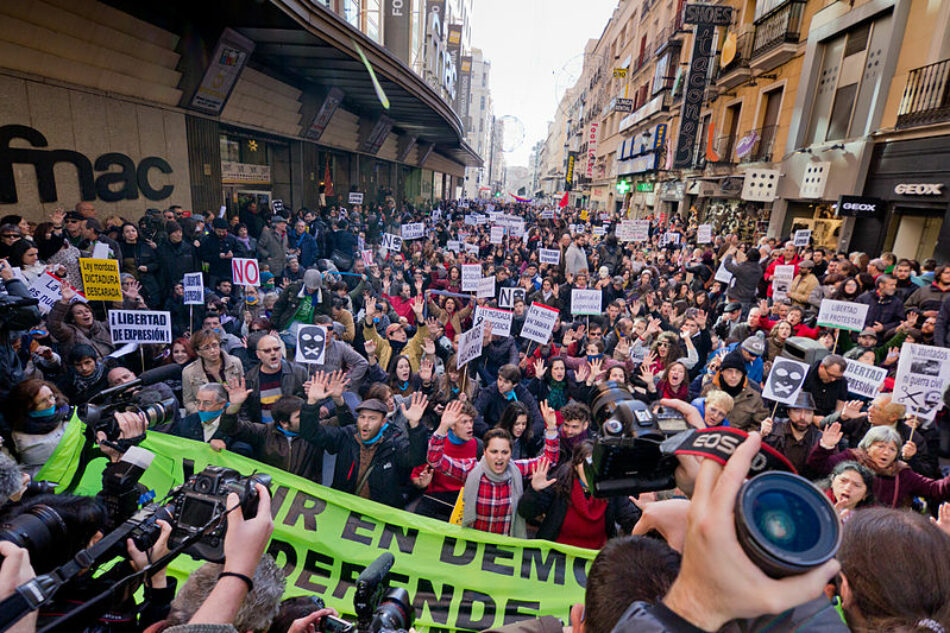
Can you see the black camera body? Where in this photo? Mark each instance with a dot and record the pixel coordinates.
(203, 497)
(102, 418)
(627, 457)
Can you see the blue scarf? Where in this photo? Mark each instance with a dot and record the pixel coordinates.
(375, 438)
(286, 432)
(208, 416)
(42, 413)
(511, 396)
(455, 439)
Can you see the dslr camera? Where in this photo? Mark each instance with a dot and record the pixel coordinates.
(201, 499)
(379, 608)
(119, 399)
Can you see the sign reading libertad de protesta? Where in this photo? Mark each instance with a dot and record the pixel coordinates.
(120, 177)
(706, 17)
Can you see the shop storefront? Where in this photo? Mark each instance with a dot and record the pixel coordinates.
(913, 179)
(817, 216)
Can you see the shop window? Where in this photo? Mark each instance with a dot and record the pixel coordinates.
(841, 112)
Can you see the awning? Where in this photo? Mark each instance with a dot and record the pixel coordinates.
(303, 43)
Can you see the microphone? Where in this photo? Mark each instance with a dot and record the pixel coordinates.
(374, 574)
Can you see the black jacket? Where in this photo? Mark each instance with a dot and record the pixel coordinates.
(491, 404)
(746, 277)
(553, 507)
(395, 457)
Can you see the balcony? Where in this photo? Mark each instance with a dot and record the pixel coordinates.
(737, 71)
(776, 36)
(926, 96)
(756, 145)
(724, 147)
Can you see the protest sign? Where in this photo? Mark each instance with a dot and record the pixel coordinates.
(598, 231)
(311, 344)
(500, 320)
(101, 251)
(457, 578)
(641, 230)
(140, 326)
(722, 274)
(277, 206)
(485, 288)
(497, 234)
(360, 243)
(625, 231)
(782, 281)
(471, 275)
(245, 272)
(802, 237)
(671, 237)
(587, 301)
(367, 256)
(481, 218)
(470, 345)
(547, 214)
(923, 374)
(704, 234)
(453, 245)
(864, 380)
(355, 197)
(471, 249)
(844, 315)
(413, 230)
(436, 215)
(549, 256)
(508, 296)
(785, 380)
(194, 289)
(471, 219)
(48, 289)
(539, 322)
(392, 242)
(100, 279)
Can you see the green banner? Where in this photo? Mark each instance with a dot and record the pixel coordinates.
(458, 578)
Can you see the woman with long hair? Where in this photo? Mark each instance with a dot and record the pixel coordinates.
(515, 420)
(140, 260)
(182, 353)
(450, 315)
(847, 290)
(569, 513)
(674, 383)
(553, 383)
(401, 380)
(38, 413)
(849, 486)
(775, 342)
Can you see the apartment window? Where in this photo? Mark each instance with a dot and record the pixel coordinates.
(483, 102)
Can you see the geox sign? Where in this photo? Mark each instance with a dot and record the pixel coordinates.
(919, 189)
(859, 207)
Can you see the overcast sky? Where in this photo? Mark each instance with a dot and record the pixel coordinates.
(530, 43)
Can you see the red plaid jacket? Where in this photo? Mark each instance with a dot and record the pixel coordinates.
(493, 503)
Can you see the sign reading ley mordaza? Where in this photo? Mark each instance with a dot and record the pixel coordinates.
(111, 177)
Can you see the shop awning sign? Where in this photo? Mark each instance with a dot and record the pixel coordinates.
(859, 206)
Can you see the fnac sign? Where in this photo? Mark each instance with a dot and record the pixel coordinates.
(110, 186)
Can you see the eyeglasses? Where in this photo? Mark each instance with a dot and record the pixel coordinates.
(268, 350)
(210, 404)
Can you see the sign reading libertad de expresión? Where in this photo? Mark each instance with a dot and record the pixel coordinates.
(706, 17)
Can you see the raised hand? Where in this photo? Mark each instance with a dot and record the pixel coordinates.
(550, 418)
(424, 478)
(831, 436)
(426, 368)
(318, 388)
(451, 415)
(337, 384)
(370, 346)
(701, 318)
(852, 409)
(582, 372)
(943, 518)
(568, 338)
(646, 374)
(428, 347)
(67, 292)
(596, 368)
(539, 475)
(237, 391)
(539, 368)
(134, 290)
(417, 304)
(417, 406)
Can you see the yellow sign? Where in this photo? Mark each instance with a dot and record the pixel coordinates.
(100, 279)
(584, 214)
(620, 73)
(728, 50)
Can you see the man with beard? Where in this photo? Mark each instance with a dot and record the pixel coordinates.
(574, 429)
(795, 436)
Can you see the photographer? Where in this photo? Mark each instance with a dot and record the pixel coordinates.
(12, 318)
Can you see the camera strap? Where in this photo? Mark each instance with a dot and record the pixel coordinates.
(719, 443)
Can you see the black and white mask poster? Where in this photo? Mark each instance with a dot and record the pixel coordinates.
(923, 375)
(311, 344)
(785, 380)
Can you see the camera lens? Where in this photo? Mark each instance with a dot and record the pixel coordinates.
(785, 524)
(38, 530)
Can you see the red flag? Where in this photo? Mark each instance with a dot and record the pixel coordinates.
(563, 202)
(328, 182)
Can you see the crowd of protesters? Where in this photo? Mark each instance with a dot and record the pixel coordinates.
(498, 443)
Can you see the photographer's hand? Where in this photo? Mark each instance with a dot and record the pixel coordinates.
(717, 582)
(130, 425)
(311, 623)
(16, 570)
(140, 559)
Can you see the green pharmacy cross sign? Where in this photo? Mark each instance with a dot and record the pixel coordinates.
(623, 187)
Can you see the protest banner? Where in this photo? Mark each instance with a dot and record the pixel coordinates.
(101, 251)
(508, 296)
(471, 249)
(588, 301)
(844, 315)
(245, 272)
(802, 237)
(453, 245)
(470, 219)
(497, 234)
(704, 234)
(471, 275)
(413, 231)
(722, 273)
(457, 578)
(539, 322)
(625, 231)
(864, 380)
(923, 375)
(598, 231)
(785, 380)
(367, 256)
(194, 289)
(100, 279)
(549, 256)
(140, 326)
(355, 197)
(782, 281)
(311, 344)
(547, 214)
(500, 320)
(392, 242)
(47, 289)
(486, 288)
(641, 230)
(470, 345)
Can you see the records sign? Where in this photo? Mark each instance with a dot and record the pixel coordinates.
(569, 173)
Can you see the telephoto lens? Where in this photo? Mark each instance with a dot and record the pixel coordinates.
(785, 524)
(41, 531)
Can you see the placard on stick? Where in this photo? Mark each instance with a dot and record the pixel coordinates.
(470, 346)
(194, 289)
(508, 296)
(549, 256)
(587, 301)
(785, 380)
(245, 272)
(844, 315)
(392, 242)
(311, 344)
(140, 326)
(539, 322)
(500, 320)
(100, 279)
(471, 275)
